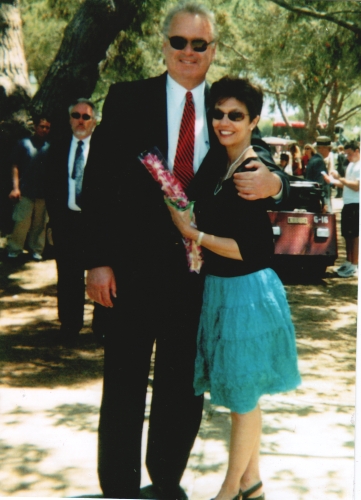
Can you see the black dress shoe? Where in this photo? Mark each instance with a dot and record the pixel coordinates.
(156, 493)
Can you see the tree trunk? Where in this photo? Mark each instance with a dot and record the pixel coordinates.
(15, 96)
(14, 82)
(75, 70)
(289, 129)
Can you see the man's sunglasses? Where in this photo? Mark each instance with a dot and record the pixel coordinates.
(77, 116)
(234, 116)
(180, 43)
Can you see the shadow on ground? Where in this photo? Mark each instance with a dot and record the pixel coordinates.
(32, 358)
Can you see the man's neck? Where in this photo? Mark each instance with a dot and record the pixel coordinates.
(185, 83)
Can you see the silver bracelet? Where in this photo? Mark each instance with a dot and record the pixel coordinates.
(200, 238)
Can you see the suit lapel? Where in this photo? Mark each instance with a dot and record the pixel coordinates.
(157, 114)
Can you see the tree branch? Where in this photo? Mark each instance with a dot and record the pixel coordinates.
(75, 70)
(320, 15)
(347, 113)
(234, 50)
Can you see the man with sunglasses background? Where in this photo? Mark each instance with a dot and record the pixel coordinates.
(67, 160)
(137, 264)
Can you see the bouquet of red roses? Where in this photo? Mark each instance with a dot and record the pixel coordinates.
(156, 165)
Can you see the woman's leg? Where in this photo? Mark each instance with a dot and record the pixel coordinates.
(251, 475)
(243, 470)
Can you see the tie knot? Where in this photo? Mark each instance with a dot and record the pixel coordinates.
(189, 96)
(80, 143)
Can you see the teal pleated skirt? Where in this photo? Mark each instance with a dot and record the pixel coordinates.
(246, 341)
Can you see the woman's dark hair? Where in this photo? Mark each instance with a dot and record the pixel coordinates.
(241, 89)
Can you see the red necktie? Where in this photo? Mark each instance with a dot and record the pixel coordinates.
(183, 162)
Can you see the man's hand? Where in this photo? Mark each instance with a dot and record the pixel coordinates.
(335, 174)
(101, 286)
(258, 184)
(15, 194)
(330, 179)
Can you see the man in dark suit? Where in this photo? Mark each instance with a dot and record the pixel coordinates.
(317, 165)
(138, 268)
(67, 160)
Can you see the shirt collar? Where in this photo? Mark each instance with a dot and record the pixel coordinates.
(85, 141)
(178, 92)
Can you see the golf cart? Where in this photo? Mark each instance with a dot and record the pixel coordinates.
(304, 231)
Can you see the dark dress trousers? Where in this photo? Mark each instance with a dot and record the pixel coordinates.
(66, 227)
(128, 227)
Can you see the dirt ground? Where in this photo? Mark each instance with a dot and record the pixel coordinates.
(50, 398)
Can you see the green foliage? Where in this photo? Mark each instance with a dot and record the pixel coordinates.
(306, 63)
(135, 53)
(301, 61)
(265, 126)
(44, 22)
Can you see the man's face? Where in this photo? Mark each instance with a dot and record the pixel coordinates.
(42, 129)
(81, 125)
(352, 155)
(187, 66)
(323, 150)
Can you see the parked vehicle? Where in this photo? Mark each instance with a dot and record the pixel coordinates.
(304, 234)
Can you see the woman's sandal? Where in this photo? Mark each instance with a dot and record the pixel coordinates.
(243, 495)
(238, 497)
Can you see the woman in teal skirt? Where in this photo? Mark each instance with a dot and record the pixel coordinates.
(246, 339)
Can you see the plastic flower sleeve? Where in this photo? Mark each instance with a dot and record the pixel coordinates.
(156, 165)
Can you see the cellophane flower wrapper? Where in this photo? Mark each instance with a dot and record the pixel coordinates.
(156, 165)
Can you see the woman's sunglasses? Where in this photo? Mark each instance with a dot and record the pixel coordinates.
(77, 116)
(234, 116)
(179, 43)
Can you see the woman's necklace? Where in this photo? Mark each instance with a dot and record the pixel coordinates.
(220, 182)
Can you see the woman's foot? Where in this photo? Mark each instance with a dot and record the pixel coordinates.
(254, 491)
(227, 494)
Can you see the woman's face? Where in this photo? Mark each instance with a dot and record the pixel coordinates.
(232, 133)
(308, 151)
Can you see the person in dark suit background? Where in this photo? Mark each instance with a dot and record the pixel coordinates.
(137, 264)
(67, 160)
(317, 165)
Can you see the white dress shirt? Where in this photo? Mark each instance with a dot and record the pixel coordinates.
(352, 174)
(71, 182)
(176, 98)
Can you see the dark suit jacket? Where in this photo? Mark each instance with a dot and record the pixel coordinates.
(315, 166)
(127, 224)
(57, 189)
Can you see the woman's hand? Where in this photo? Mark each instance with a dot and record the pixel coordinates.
(182, 220)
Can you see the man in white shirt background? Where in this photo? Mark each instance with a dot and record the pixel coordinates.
(350, 184)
